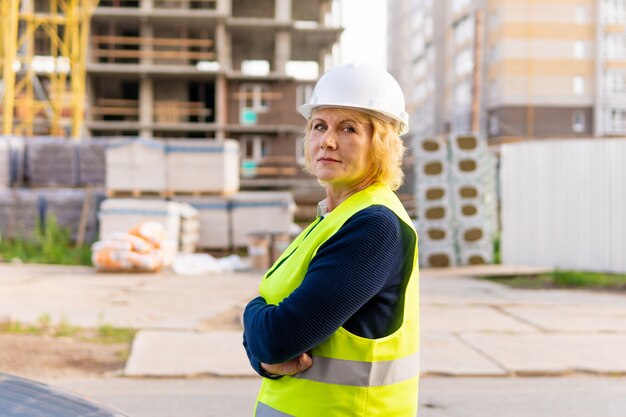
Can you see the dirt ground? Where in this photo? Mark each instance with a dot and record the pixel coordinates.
(46, 357)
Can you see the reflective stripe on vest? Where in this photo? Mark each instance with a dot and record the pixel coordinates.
(362, 374)
(264, 410)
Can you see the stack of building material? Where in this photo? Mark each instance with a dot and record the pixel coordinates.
(214, 217)
(73, 209)
(202, 166)
(434, 204)
(19, 213)
(91, 163)
(5, 165)
(473, 181)
(189, 228)
(253, 212)
(120, 214)
(51, 162)
(136, 166)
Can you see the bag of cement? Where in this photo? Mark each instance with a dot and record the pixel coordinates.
(151, 232)
(116, 260)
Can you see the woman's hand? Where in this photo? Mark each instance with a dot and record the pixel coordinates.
(292, 367)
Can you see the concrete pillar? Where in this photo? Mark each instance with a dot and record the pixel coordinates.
(146, 106)
(146, 5)
(225, 7)
(282, 51)
(146, 33)
(221, 106)
(223, 47)
(282, 11)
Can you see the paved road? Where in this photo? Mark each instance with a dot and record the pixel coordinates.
(577, 396)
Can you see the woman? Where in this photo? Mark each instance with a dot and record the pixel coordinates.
(335, 331)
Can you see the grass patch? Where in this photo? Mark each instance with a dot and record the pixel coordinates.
(50, 245)
(109, 334)
(565, 279)
(104, 334)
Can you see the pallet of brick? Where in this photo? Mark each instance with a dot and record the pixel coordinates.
(123, 214)
(51, 162)
(135, 167)
(92, 163)
(202, 166)
(261, 211)
(73, 209)
(19, 214)
(215, 221)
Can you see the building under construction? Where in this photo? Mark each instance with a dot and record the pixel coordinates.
(210, 69)
(170, 69)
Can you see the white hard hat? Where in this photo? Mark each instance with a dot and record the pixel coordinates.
(360, 86)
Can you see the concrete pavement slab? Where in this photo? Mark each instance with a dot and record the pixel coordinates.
(553, 353)
(458, 318)
(446, 354)
(82, 297)
(172, 353)
(572, 318)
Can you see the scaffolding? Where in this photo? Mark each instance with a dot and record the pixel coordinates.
(44, 48)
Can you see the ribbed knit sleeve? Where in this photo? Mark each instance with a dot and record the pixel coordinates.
(349, 269)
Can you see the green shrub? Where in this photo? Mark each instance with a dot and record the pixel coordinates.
(50, 245)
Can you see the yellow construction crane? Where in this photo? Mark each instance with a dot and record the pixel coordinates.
(43, 61)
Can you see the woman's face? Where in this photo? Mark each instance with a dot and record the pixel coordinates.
(339, 146)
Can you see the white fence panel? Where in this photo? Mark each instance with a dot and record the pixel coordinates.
(564, 204)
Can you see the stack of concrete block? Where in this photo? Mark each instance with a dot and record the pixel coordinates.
(214, 218)
(473, 181)
(136, 165)
(122, 214)
(276, 209)
(19, 214)
(434, 206)
(51, 162)
(189, 228)
(72, 208)
(202, 166)
(91, 163)
(16, 150)
(5, 165)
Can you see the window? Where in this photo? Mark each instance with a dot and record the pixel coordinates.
(615, 44)
(464, 30)
(579, 86)
(463, 62)
(254, 147)
(579, 49)
(578, 121)
(580, 14)
(614, 11)
(615, 120)
(615, 82)
(254, 97)
(463, 94)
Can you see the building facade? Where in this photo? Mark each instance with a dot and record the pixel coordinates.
(512, 69)
(211, 69)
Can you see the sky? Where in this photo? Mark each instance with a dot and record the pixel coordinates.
(365, 34)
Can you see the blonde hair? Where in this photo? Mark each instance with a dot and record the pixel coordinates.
(386, 148)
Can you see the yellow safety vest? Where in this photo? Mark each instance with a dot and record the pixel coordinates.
(351, 375)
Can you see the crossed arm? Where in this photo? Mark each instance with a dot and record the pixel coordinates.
(348, 270)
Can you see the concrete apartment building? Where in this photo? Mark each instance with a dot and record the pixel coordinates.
(211, 69)
(512, 69)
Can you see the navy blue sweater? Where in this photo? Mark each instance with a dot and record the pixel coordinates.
(354, 281)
